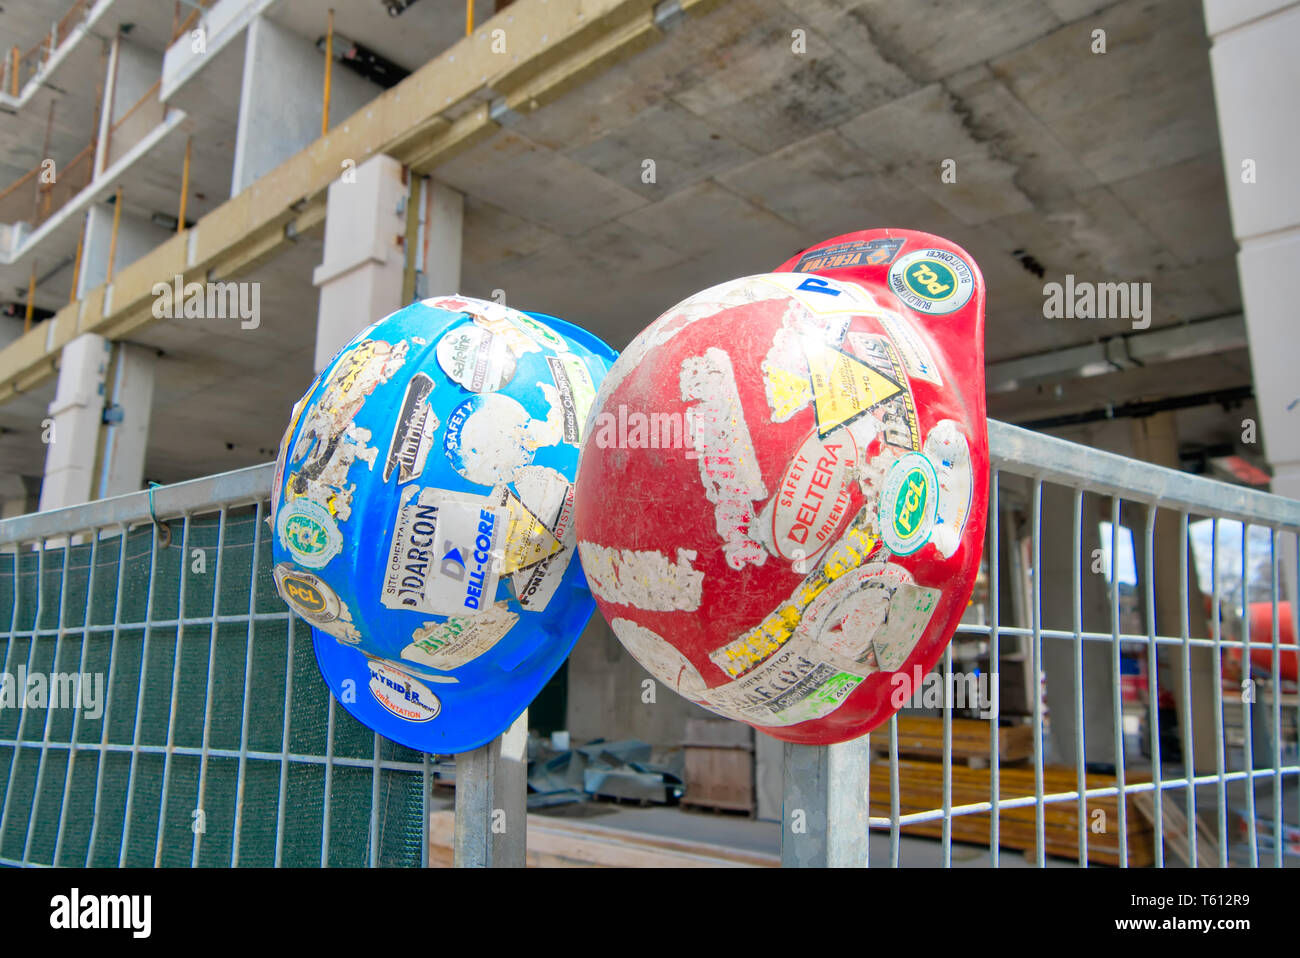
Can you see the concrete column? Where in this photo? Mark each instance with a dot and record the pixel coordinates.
(442, 228)
(360, 279)
(131, 71)
(135, 237)
(87, 458)
(1256, 74)
(121, 466)
(281, 99)
(77, 411)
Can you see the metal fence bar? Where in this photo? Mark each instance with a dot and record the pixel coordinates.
(1189, 740)
(108, 695)
(1247, 695)
(1216, 628)
(1276, 691)
(22, 719)
(825, 818)
(139, 703)
(45, 724)
(78, 712)
(1116, 691)
(175, 691)
(248, 673)
(1153, 679)
(207, 694)
(995, 657)
(1080, 748)
(1036, 657)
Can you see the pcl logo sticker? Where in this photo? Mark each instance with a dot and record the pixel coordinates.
(932, 281)
(310, 597)
(309, 532)
(406, 697)
(908, 504)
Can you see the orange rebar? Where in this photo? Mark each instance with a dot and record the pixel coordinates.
(76, 264)
(329, 62)
(31, 299)
(469, 17)
(185, 187)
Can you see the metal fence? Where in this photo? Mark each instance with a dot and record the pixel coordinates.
(213, 741)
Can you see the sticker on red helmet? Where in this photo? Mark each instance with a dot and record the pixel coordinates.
(934, 281)
(827, 428)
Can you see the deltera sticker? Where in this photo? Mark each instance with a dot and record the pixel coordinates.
(932, 281)
(309, 532)
(813, 500)
(908, 504)
(948, 450)
(406, 697)
(460, 639)
(315, 602)
(413, 435)
(577, 392)
(444, 556)
(476, 358)
(874, 615)
(876, 252)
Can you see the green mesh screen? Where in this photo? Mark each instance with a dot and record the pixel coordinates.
(193, 759)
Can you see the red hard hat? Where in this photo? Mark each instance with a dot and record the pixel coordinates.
(780, 502)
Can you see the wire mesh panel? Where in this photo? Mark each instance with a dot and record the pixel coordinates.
(1129, 699)
(164, 706)
(1113, 629)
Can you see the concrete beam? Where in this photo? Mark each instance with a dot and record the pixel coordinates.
(1120, 352)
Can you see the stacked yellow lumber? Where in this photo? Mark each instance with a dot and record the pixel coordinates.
(921, 789)
(566, 843)
(923, 735)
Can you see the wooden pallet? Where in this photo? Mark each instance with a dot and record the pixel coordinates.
(567, 843)
(719, 766)
(922, 735)
(921, 789)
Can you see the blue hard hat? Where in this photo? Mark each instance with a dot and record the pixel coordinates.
(423, 516)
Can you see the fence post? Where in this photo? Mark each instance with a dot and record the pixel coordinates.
(824, 816)
(491, 818)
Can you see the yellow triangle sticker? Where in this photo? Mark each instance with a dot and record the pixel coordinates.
(528, 540)
(843, 386)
